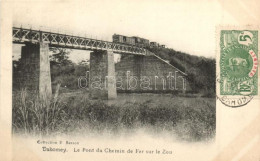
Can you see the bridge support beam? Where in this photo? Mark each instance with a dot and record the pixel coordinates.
(102, 83)
(35, 74)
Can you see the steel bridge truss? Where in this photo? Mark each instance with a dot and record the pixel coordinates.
(22, 35)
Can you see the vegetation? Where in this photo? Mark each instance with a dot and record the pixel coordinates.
(64, 71)
(79, 115)
(201, 71)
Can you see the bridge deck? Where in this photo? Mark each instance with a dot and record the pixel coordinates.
(22, 35)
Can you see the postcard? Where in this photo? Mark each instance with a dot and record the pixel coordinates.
(130, 80)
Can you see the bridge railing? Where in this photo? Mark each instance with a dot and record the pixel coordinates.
(22, 35)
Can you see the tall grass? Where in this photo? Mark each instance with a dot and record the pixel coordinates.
(78, 114)
(34, 115)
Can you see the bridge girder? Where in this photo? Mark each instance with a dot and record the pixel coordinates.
(22, 35)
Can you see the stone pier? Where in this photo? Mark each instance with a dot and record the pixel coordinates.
(138, 69)
(35, 74)
(150, 74)
(102, 83)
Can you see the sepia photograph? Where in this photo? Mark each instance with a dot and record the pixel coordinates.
(111, 84)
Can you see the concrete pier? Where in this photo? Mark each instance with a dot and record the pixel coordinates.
(35, 74)
(102, 83)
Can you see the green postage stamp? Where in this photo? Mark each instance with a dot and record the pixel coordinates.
(238, 63)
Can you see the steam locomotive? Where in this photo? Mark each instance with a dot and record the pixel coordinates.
(134, 40)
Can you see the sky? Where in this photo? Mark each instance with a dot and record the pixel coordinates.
(187, 26)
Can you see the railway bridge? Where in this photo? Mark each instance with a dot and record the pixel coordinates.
(142, 63)
(35, 58)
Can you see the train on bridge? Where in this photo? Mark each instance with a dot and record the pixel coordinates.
(134, 40)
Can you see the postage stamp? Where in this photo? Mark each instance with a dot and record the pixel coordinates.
(238, 63)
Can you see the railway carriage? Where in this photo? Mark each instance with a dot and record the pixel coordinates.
(123, 39)
(141, 41)
(135, 40)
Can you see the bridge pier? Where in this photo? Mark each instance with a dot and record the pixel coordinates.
(138, 69)
(102, 75)
(35, 74)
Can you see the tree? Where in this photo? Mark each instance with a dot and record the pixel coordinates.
(60, 57)
(81, 68)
